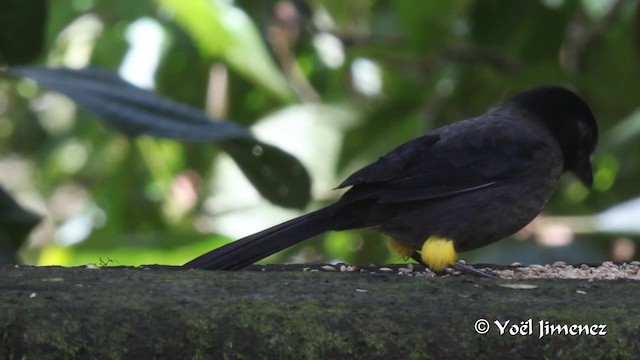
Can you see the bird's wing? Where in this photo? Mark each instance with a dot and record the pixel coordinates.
(430, 167)
(389, 166)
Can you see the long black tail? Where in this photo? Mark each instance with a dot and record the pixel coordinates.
(248, 250)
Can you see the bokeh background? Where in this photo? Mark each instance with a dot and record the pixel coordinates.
(335, 83)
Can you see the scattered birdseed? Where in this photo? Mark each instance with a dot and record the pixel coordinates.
(519, 286)
(328, 268)
(607, 270)
(361, 290)
(348, 268)
(427, 273)
(556, 270)
(537, 267)
(582, 292)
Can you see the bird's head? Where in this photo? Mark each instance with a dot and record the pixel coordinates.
(570, 121)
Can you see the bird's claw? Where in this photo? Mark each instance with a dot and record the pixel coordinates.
(458, 266)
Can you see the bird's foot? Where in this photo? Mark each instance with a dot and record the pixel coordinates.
(458, 266)
(470, 270)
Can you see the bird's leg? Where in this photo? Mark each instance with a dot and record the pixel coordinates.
(418, 258)
(470, 270)
(458, 266)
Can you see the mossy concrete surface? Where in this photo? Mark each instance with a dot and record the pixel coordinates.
(169, 313)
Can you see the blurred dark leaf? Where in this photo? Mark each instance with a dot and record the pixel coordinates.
(129, 109)
(278, 176)
(23, 27)
(271, 172)
(15, 224)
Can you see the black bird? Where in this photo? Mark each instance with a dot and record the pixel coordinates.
(454, 189)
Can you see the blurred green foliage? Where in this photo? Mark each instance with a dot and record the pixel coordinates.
(382, 72)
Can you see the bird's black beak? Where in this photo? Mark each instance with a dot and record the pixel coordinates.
(583, 169)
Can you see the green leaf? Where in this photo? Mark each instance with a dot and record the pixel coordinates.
(277, 175)
(224, 31)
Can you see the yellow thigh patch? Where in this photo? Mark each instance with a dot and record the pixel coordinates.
(438, 253)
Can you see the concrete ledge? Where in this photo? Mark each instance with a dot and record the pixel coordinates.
(165, 312)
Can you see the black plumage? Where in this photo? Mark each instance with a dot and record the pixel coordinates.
(473, 182)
